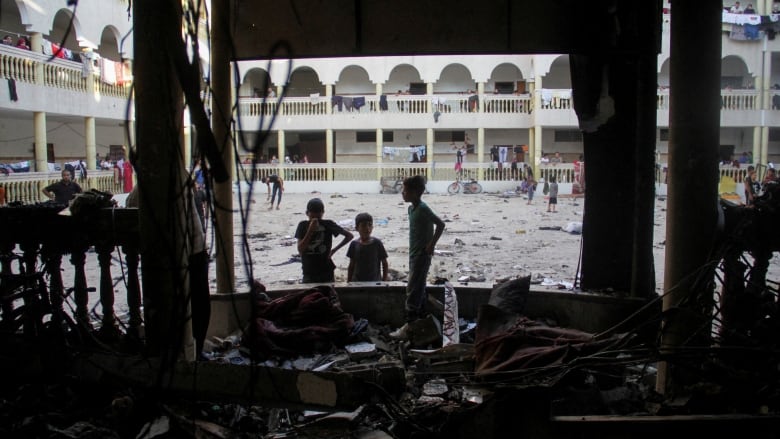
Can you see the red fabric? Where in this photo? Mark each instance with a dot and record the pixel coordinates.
(127, 173)
(509, 342)
(303, 322)
(57, 51)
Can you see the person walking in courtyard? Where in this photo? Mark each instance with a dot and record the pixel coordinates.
(425, 229)
(552, 202)
(64, 190)
(278, 188)
(315, 239)
(367, 254)
(531, 185)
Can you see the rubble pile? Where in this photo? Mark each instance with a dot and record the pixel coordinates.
(502, 372)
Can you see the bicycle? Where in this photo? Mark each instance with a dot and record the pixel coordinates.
(469, 187)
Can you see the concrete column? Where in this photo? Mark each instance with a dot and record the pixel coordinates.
(480, 151)
(187, 139)
(36, 45)
(481, 93)
(761, 149)
(280, 148)
(329, 151)
(756, 141)
(529, 156)
(163, 245)
(378, 96)
(129, 136)
(221, 127)
(91, 85)
(765, 81)
(691, 224)
(429, 151)
(761, 154)
(328, 95)
(429, 92)
(538, 148)
(89, 143)
(536, 88)
(39, 126)
(379, 145)
(535, 151)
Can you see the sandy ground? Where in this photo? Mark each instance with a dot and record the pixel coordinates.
(488, 237)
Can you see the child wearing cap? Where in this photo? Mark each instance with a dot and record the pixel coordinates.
(315, 239)
(367, 255)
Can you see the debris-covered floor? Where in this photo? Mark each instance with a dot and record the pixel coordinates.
(501, 375)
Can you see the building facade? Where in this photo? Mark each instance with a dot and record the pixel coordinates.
(68, 98)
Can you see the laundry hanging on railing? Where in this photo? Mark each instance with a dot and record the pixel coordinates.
(107, 71)
(389, 152)
(10, 168)
(349, 102)
(473, 103)
(12, 90)
(546, 97)
(418, 152)
(90, 64)
(337, 101)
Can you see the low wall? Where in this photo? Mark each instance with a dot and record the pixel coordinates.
(383, 303)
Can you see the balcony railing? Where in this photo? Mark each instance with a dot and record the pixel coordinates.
(22, 65)
(558, 99)
(394, 104)
(731, 100)
(25, 187)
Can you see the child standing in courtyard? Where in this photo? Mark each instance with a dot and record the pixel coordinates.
(425, 229)
(553, 200)
(315, 238)
(367, 255)
(531, 187)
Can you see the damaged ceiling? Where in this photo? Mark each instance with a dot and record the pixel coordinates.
(409, 27)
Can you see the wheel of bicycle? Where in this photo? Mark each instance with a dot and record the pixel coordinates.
(399, 186)
(477, 188)
(454, 188)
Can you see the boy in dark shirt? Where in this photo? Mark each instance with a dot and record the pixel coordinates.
(367, 255)
(315, 238)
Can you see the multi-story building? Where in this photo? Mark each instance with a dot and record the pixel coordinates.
(72, 104)
(67, 94)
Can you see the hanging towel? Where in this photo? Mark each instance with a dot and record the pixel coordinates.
(107, 71)
(12, 90)
(383, 102)
(337, 101)
(46, 47)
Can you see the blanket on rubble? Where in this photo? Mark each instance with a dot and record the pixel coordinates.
(299, 323)
(511, 342)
